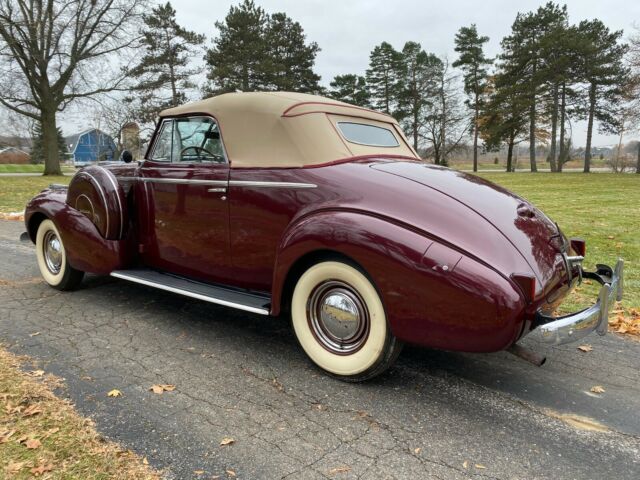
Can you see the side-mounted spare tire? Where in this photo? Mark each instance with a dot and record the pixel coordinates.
(94, 191)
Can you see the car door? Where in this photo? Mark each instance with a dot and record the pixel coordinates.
(186, 178)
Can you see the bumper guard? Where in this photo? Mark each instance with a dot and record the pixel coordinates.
(573, 327)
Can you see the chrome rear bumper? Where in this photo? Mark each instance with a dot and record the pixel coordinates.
(573, 327)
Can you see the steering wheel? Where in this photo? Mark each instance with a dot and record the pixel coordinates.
(198, 150)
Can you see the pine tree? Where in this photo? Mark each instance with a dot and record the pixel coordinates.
(505, 115)
(522, 58)
(235, 61)
(351, 89)
(419, 88)
(255, 51)
(605, 73)
(289, 60)
(37, 145)
(164, 74)
(383, 77)
(473, 63)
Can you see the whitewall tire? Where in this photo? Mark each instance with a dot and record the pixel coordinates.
(340, 322)
(52, 258)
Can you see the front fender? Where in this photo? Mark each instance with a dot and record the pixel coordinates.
(466, 307)
(86, 249)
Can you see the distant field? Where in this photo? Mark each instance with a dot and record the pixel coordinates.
(28, 168)
(603, 208)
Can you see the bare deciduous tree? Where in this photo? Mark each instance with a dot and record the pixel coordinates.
(53, 52)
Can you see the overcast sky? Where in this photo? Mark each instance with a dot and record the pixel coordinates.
(347, 30)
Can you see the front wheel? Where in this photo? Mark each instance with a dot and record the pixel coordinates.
(52, 258)
(340, 322)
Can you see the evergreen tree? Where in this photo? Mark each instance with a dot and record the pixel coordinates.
(164, 75)
(37, 145)
(383, 77)
(351, 89)
(504, 117)
(419, 87)
(605, 74)
(522, 58)
(289, 60)
(256, 51)
(473, 63)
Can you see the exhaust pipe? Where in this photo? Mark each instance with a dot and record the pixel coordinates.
(527, 354)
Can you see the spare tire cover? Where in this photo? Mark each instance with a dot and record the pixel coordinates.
(95, 192)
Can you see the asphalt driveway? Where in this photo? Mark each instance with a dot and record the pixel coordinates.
(434, 415)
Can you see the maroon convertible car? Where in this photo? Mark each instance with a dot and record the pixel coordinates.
(286, 203)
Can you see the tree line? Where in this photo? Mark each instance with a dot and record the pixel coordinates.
(548, 74)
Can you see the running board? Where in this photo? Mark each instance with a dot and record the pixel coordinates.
(240, 299)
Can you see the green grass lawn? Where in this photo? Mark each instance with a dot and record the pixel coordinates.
(27, 168)
(15, 192)
(603, 208)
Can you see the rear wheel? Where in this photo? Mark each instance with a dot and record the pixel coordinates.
(340, 322)
(52, 258)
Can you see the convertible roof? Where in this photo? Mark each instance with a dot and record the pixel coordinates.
(284, 129)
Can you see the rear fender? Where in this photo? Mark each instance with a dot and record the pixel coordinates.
(466, 307)
(86, 249)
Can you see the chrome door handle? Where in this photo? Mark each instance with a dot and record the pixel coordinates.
(217, 190)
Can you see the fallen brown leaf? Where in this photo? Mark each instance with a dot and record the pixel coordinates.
(231, 473)
(145, 461)
(465, 464)
(198, 472)
(480, 466)
(34, 334)
(5, 436)
(33, 443)
(597, 389)
(15, 467)
(158, 389)
(41, 469)
(31, 410)
(36, 373)
(417, 450)
(227, 441)
(585, 348)
(114, 393)
(343, 469)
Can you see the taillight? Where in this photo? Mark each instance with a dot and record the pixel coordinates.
(579, 246)
(527, 284)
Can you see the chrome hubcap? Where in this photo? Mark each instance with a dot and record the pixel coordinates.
(52, 249)
(338, 317)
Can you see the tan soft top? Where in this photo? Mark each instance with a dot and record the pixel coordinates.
(284, 129)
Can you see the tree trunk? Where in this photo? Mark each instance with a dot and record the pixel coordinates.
(50, 142)
(532, 138)
(415, 129)
(510, 156)
(638, 164)
(563, 107)
(475, 135)
(592, 109)
(554, 131)
(443, 131)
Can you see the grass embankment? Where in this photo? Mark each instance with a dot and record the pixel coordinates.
(41, 435)
(28, 168)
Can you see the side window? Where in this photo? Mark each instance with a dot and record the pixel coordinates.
(162, 145)
(197, 139)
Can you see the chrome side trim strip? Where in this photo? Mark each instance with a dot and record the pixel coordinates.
(258, 184)
(178, 181)
(239, 306)
(223, 183)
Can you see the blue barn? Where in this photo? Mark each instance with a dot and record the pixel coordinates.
(91, 146)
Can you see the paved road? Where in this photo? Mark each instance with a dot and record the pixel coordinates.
(434, 415)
